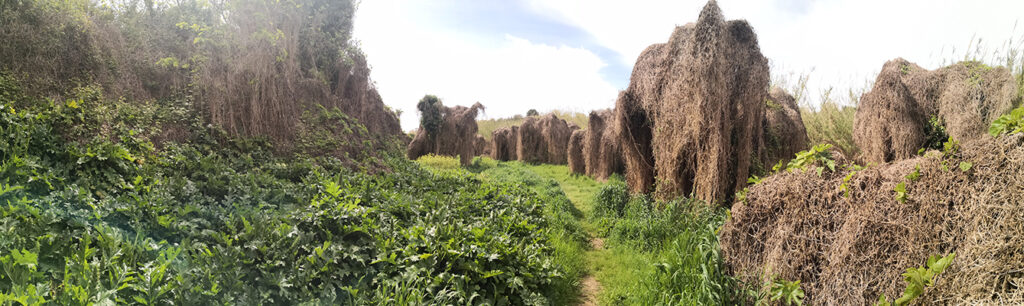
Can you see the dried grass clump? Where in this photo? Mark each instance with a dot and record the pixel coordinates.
(504, 142)
(892, 121)
(481, 146)
(602, 153)
(556, 133)
(701, 96)
(784, 132)
(532, 147)
(455, 137)
(577, 162)
(848, 250)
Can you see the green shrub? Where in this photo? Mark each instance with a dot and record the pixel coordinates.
(1011, 123)
(611, 199)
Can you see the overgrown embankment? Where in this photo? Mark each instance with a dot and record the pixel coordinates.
(95, 211)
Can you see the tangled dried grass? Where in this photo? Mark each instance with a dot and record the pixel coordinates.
(784, 132)
(504, 142)
(481, 146)
(702, 98)
(556, 133)
(577, 162)
(532, 147)
(456, 136)
(849, 250)
(892, 120)
(601, 150)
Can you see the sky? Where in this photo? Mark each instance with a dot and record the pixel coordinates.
(576, 55)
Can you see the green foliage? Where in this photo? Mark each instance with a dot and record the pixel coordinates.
(901, 192)
(950, 149)
(781, 291)
(935, 134)
(681, 239)
(832, 123)
(611, 199)
(430, 114)
(916, 174)
(918, 279)
(1009, 124)
(817, 157)
(93, 212)
(532, 113)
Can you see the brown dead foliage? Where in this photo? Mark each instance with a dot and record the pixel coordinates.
(532, 147)
(504, 142)
(892, 119)
(456, 136)
(601, 146)
(577, 162)
(784, 132)
(848, 250)
(556, 134)
(701, 98)
(481, 146)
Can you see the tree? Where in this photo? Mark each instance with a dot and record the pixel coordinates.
(532, 113)
(430, 114)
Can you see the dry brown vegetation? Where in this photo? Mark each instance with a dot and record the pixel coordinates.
(576, 160)
(556, 134)
(601, 146)
(481, 146)
(504, 143)
(456, 136)
(252, 68)
(848, 250)
(701, 96)
(784, 133)
(893, 119)
(531, 146)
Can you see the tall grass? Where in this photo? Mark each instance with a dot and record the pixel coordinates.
(488, 126)
(661, 253)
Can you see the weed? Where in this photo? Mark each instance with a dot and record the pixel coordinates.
(901, 192)
(918, 279)
(1009, 124)
(812, 157)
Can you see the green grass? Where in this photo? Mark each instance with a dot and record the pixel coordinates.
(488, 126)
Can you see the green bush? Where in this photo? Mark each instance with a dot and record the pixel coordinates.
(611, 199)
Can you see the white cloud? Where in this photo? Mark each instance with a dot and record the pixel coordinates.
(844, 42)
(410, 59)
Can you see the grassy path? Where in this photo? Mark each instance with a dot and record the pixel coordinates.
(612, 271)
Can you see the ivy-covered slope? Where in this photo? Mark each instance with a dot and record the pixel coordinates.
(93, 211)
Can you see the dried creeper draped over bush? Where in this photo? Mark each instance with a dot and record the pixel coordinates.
(693, 110)
(453, 133)
(850, 249)
(908, 106)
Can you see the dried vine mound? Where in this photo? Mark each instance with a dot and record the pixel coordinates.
(532, 147)
(481, 146)
(456, 135)
(892, 120)
(601, 150)
(784, 132)
(848, 250)
(556, 134)
(504, 142)
(701, 98)
(577, 163)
